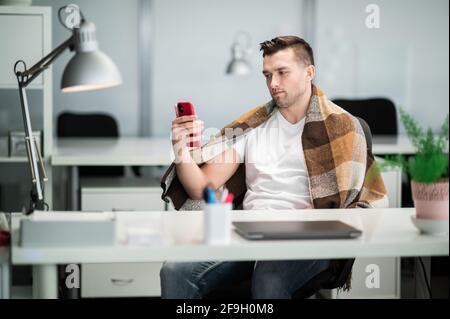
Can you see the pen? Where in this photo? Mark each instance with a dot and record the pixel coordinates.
(209, 195)
(229, 198)
(224, 196)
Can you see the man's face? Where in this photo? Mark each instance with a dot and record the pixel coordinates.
(287, 77)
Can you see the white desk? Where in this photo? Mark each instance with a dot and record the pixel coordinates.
(124, 151)
(156, 151)
(386, 232)
(388, 145)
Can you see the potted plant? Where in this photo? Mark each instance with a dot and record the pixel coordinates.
(428, 168)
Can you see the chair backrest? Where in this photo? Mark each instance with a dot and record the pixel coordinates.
(367, 133)
(379, 113)
(86, 126)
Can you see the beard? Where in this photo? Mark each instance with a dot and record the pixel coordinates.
(285, 100)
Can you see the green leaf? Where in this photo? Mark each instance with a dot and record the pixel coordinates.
(412, 127)
(427, 168)
(431, 160)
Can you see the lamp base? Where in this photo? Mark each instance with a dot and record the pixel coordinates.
(36, 204)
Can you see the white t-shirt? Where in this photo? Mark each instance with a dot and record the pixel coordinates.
(275, 168)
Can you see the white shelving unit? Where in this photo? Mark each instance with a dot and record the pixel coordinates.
(26, 34)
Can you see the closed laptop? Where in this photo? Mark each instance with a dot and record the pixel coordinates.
(323, 229)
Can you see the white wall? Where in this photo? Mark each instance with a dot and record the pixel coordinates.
(406, 59)
(116, 22)
(192, 41)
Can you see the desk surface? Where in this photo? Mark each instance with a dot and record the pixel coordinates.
(387, 145)
(386, 232)
(157, 151)
(110, 152)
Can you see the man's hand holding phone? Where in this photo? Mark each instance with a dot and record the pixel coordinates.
(186, 128)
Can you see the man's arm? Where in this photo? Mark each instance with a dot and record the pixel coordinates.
(217, 171)
(214, 172)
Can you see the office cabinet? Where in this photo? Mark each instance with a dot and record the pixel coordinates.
(128, 279)
(27, 35)
(121, 194)
(120, 280)
(374, 278)
(393, 182)
(30, 30)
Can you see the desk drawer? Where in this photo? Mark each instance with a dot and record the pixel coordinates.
(122, 199)
(120, 280)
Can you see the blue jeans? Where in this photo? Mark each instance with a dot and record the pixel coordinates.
(270, 279)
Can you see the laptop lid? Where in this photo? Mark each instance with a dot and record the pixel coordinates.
(327, 229)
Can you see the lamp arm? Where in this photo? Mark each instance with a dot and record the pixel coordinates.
(27, 76)
(24, 78)
(37, 188)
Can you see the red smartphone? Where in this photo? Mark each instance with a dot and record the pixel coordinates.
(186, 108)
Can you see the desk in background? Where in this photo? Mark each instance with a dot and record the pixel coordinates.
(386, 232)
(123, 151)
(142, 151)
(128, 151)
(392, 145)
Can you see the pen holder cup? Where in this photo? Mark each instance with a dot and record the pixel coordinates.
(217, 223)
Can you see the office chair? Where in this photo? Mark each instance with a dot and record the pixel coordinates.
(86, 126)
(326, 279)
(379, 113)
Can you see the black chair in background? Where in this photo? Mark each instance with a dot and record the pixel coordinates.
(88, 126)
(326, 279)
(379, 113)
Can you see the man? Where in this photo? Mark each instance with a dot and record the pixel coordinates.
(299, 151)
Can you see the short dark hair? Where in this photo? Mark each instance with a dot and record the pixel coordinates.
(301, 48)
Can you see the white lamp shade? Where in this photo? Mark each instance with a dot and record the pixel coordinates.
(90, 71)
(238, 67)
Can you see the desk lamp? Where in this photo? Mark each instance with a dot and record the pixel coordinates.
(239, 65)
(89, 69)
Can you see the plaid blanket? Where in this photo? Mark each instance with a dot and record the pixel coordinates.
(342, 171)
